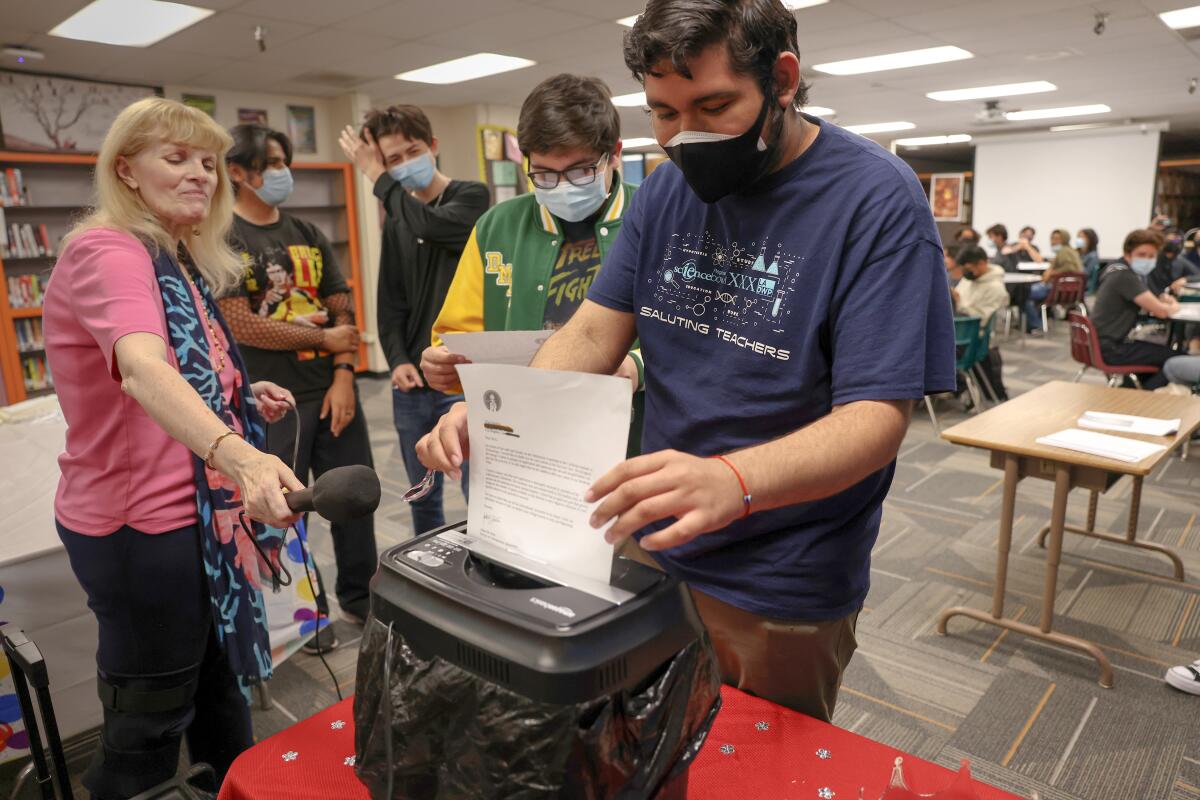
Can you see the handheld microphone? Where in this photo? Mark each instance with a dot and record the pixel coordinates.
(340, 495)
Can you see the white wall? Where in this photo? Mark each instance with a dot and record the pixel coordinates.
(1099, 178)
(228, 103)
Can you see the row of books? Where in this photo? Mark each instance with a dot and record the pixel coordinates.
(25, 291)
(13, 191)
(29, 335)
(24, 241)
(36, 373)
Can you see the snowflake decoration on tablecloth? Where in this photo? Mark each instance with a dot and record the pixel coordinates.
(826, 793)
(727, 749)
(349, 761)
(337, 725)
(762, 726)
(824, 754)
(290, 755)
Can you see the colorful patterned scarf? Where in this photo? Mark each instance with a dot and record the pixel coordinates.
(233, 565)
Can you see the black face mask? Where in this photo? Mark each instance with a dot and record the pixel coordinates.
(970, 276)
(715, 166)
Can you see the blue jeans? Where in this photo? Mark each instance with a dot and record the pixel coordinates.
(1033, 306)
(415, 413)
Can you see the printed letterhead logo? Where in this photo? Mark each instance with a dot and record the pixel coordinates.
(491, 400)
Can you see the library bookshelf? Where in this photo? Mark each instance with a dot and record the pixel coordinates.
(46, 193)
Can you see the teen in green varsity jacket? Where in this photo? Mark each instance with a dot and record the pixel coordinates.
(530, 260)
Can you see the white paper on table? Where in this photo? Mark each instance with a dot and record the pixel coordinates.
(1031, 266)
(539, 439)
(1128, 423)
(1103, 445)
(1188, 312)
(497, 347)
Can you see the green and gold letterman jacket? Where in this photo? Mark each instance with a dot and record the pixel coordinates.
(503, 276)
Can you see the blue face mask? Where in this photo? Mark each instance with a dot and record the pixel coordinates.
(575, 203)
(1077, 243)
(1143, 266)
(276, 187)
(416, 173)
(1054, 248)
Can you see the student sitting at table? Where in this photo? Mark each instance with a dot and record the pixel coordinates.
(966, 235)
(953, 272)
(982, 293)
(1087, 243)
(1023, 248)
(1121, 297)
(1001, 251)
(1066, 260)
(1172, 270)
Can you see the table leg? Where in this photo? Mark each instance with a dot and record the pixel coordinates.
(1058, 517)
(1093, 501)
(1004, 545)
(1045, 632)
(1012, 477)
(1130, 537)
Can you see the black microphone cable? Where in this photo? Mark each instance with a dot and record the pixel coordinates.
(301, 534)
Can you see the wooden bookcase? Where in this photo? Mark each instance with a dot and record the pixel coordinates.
(59, 188)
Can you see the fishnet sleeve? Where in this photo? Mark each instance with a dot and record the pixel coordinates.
(340, 307)
(267, 334)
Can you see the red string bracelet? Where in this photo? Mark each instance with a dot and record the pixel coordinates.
(746, 496)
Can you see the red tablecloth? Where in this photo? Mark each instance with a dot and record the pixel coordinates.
(756, 749)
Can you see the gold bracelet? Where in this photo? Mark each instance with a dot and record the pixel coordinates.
(212, 448)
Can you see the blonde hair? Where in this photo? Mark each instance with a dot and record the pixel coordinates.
(138, 126)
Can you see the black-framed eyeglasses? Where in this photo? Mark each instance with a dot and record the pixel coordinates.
(576, 176)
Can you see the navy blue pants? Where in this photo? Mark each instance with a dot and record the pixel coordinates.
(150, 597)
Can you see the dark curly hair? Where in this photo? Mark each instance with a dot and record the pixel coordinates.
(755, 32)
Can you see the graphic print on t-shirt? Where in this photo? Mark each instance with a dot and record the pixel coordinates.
(739, 293)
(576, 268)
(283, 283)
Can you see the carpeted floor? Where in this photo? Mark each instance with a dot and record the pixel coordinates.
(1029, 716)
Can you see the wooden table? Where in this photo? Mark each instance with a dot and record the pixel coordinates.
(1010, 431)
(1011, 278)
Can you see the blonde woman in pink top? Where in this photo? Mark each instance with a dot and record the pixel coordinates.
(164, 490)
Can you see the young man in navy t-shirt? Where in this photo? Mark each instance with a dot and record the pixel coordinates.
(786, 282)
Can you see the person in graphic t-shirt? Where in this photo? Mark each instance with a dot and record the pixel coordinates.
(294, 318)
(786, 282)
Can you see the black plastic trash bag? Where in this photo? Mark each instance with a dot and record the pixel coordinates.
(457, 735)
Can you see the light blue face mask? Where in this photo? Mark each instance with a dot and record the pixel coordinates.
(575, 203)
(276, 187)
(1143, 266)
(416, 173)
(1054, 248)
(1077, 243)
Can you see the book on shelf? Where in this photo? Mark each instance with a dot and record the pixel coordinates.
(25, 241)
(13, 191)
(36, 373)
(29, 335)
(25, 291)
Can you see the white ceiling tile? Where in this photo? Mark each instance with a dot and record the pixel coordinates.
(410, 20)
(400, 58)
(528, 24)
(326, 48)
(311, 12)
(166, 68)
(230, 35)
